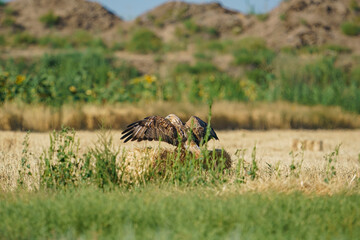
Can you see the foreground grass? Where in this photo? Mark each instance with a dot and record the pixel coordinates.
(155, 212)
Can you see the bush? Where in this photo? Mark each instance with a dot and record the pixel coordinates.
(2, 40)
(191, 26)
(8, 21)
(254, 57)
(213, 32)
(118, 46)
(9, 11)
(2, 3)
(262, 17)
(350, 29)
(82, 38)
(338, 48)
(198, 68)
(144, 41)
(354, 5)
(24, 38)
(50, 19)
(251, 43)
(54, 41)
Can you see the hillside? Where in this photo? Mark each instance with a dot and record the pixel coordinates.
(212, 18)
(300, 23)
(65, 17)
(294, 23)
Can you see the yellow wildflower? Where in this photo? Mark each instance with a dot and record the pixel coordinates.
(149, 78)
(135, 80)
(6, 74)
(72, 89)
(20, 79)
(88, 92)
(110, 74)
(242, 83)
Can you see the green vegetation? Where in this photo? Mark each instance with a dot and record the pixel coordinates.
(94, 193)
(350, 28)
(283, 17)
(354, 5)
(2, 3)
(198, 68)
(65, 78)
(191, 26)
(103, 166)
(8, 21)
(2, 40)
(23, 39)
(50, 19)
(144, 41)
(262, 17)
(9, 11)
(254, 57)
(94, 77)
(154, 212)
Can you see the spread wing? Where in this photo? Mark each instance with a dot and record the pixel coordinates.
(151, 128)
(199, 128)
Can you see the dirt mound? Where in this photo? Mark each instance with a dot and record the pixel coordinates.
(211, 15)
(299, 23)
(73, 15)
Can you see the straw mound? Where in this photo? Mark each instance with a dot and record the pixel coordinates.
(160, 159)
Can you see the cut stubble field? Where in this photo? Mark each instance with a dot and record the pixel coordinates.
(280, 165)
(272, 191)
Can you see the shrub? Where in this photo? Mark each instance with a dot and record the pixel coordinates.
(118, 46)
(82, 38)
(8, 21)
(144, 41)
(24, 38)
(283, 17)
(2, 3)
(50, 19)
(253, 57)
(213, 32)
(350, 29)
(9, 11)
(191, 26)
(54, 41)
(262, 17)
(354, 5)
(338, 48)
(2, 40)
(198, 68)
(251, 43)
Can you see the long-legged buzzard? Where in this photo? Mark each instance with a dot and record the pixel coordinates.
(172, 130)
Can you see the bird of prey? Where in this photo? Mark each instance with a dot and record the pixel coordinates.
(171, 130)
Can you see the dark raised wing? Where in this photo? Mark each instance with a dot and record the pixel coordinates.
(198, 128)
(151, 128)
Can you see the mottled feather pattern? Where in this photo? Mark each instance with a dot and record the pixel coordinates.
(151, 128)
(199, 128)
(168, 129)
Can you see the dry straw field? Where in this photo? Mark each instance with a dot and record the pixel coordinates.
(226, 115)
(282, 163)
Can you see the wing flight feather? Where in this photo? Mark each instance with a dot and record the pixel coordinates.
(199, 128)
(151, 128)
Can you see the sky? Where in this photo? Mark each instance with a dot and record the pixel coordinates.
(130, 9)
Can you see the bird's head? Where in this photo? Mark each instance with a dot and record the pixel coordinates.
(174, 119)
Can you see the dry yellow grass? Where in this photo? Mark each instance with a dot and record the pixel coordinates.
(226, 115)
(272, 149)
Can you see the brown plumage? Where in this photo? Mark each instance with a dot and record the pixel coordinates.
(171, 130)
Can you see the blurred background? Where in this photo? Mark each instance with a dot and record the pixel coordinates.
(261, 64)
